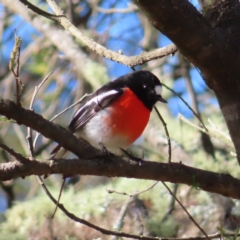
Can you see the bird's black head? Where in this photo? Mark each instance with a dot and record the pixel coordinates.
(146, 86)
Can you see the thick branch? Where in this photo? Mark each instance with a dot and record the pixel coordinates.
(181, 22)
(46, 128)
(211, 42)
(110, 166)
(117, 167)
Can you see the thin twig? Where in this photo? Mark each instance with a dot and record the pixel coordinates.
(225, 138)
(133, 194)
(119, 221)
(30, 142)
(18, 156)
(219, 131)
(29, 136)
(99, 49)
(63, 111)
(39, 11)
(167, 134)
(181, 117)
(185, 210)
(190, 108)
(114, 191)
(21, 135)
(37, 88)
(15, 56)
(171, 205)
(110, 232)
(29, 130)
(59, 196)
(71, 106)
(132, 8)
(82, 221)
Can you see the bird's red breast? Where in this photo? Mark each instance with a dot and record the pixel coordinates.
(129, 116)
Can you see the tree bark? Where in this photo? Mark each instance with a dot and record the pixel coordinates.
(115, 166)
(102, 165)
(211, 42)
(48, 129)
(91, 163)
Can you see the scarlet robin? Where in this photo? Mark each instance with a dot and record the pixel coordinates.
(117, 113)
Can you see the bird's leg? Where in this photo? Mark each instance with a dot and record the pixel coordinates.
(136, 159)
(103, 148)
(105, 152)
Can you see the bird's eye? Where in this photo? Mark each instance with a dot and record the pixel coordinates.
(144, 86)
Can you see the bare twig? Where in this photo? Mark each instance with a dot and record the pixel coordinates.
(133, 194)
(39, 11)
(172, 203)
(37, 88)
(185, 210)
(167, 134)
(114, 191)
(73, 105)
(145, 190)
(189, 107)
(18, 156)
(20, 134)
(219, 131)
(216, 134)
(172, 194)
(102, 51)
(29, 130)
(63, 111)
(119, 221)
(15, 56)
(30, 140)
(59, 196)
(110, 232)
(91, 225)
(132, 8)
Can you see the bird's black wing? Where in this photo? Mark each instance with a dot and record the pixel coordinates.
(98, 101)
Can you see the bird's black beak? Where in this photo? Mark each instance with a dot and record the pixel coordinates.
(160, 99)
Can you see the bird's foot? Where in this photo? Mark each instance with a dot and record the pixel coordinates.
(105, 154)
(104, 150)
(136, 159)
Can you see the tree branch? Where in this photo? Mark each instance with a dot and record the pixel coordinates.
(104, 52)
(223, 184)
(181, 22)
(47, 129)
(130, 9)
(211, 42)
(115, 167)
(120, 233)
(71, 50)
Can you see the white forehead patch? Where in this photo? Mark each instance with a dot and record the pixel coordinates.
(158, 90)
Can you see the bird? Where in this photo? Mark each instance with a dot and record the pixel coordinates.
(116, 114)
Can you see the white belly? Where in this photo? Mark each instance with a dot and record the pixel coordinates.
(97, 134)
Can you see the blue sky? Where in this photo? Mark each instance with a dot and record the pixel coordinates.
(124, 32)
